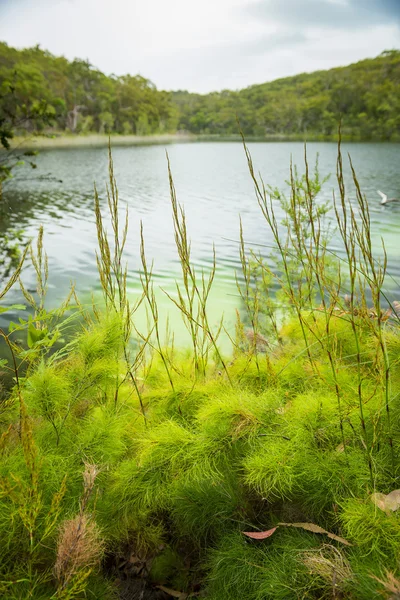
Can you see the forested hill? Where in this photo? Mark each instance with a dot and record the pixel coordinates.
(79, 98)
(366, 95)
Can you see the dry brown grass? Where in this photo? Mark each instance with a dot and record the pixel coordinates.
(391, 586)
(331, 565)
(257, 341)
(79, 548)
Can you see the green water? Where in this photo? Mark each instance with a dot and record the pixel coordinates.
(213, 184)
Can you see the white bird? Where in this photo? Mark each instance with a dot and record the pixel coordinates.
(385, 199)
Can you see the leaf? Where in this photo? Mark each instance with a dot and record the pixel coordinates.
(35, 335)
(260, 535)
(379, 500)
(173, 593)
(389, 502)
(317, 529)
(392, 500)
(12, 326)
(4, 309)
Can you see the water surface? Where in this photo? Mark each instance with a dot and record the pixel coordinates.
(212, 182)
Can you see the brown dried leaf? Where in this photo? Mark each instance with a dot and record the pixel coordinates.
(134, 559)
(379, 500)
(391, 584)
(389, 502)
(173, 593)
(260, 535)
(387, 314)
(392, 500)
(317, 529)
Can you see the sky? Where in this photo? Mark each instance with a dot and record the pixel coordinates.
(208, 45)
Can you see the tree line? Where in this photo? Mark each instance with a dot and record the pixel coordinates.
(40, 92)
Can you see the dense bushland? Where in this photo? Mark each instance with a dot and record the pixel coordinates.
(124, 459)
(39, 90)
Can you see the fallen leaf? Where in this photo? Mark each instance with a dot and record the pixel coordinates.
(316, 529)
(260, 535)
(386, 315)
(134, 559)
(392, 500)
(173, 593)
(379, 500)
(389, 502)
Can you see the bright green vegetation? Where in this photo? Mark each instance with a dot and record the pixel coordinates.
(78, 97)
(38, 89)
(139, 451)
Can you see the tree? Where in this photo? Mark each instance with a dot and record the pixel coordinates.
(19, 110)
(80, 98)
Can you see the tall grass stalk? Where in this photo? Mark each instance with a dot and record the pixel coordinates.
(148, 291)
(113, 276)
(192, 301)
(284, 251)
(356, 299)
(375, 273)
(303, 236)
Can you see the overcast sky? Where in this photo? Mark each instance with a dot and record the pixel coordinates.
(207, 45)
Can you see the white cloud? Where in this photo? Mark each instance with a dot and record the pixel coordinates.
(181, 44)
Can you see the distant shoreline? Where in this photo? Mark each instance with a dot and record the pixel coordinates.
(96, 141)
(62, 140)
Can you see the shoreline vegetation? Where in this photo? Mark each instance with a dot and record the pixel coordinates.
(65, 140)
(133, 468)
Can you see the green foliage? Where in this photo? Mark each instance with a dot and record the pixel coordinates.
(168, 568)
(306, 105)
(43, 90)
(23, 106)
(48, 394)
(48, 92)
(372, 529)
(241, 569)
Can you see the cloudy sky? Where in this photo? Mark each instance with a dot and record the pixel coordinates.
(207, 45)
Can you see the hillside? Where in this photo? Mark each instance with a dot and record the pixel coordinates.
(364, 94)
(80, 99)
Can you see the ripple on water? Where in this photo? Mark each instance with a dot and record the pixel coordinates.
(213, 184)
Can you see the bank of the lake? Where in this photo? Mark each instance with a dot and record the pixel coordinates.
(63, 140)
(54, 141)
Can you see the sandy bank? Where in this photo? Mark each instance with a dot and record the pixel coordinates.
(97, 141)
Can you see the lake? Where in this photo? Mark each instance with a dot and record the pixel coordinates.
(213, 184)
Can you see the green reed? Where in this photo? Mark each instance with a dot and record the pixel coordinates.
(193, 296)
(308, 272)
(113, 277)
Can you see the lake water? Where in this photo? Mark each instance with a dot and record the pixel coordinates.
(214, 186)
